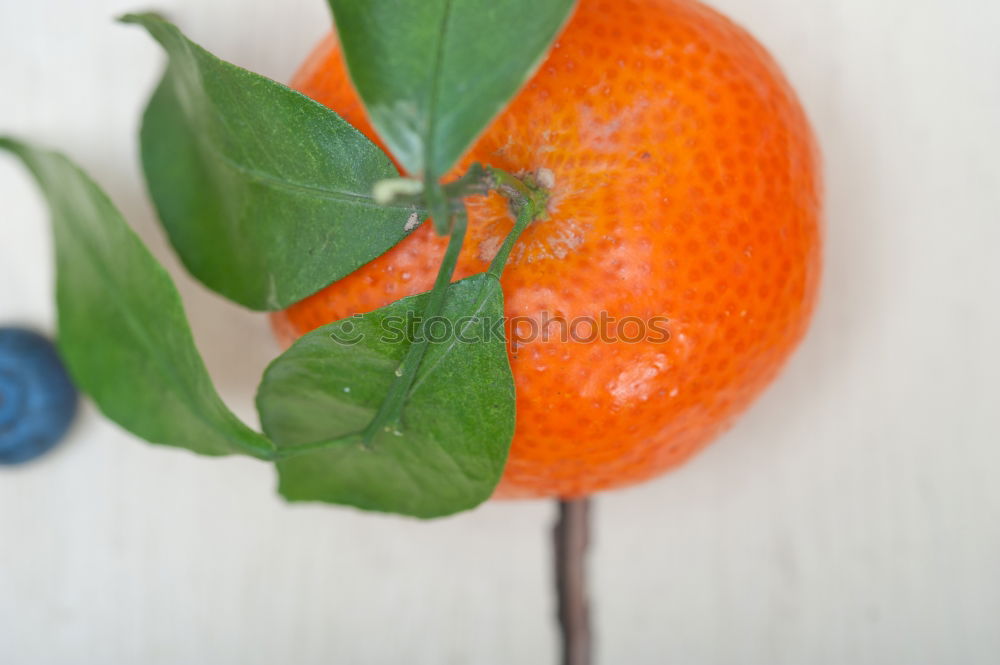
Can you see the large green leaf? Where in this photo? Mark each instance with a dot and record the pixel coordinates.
(433, 73)
(265, 193)
(122, 329)
(448, 451)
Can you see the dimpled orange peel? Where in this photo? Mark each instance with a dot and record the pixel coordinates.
(684, 185)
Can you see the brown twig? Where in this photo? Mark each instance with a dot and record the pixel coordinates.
(571, 536)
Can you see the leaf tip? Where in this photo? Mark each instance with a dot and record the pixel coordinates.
(144, 19)
(14, 146)
(128, 18)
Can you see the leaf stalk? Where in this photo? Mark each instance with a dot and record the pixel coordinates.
(389, 413)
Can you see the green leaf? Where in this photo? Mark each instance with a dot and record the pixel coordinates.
(265, 193)
(448, 451)
(122, 329)
(434, 73)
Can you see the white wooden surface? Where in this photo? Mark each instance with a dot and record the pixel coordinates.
(852, 518)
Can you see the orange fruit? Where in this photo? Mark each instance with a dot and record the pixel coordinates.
(684, 184)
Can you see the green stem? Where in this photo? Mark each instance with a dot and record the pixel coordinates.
(392, 407)
(525, 215)
(301, 449)
(510, 185)
(526, 197)
(479, 180)
(438, 206)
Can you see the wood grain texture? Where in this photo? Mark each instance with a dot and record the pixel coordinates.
(851, 518)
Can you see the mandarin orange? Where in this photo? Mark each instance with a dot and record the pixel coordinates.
(684, 183)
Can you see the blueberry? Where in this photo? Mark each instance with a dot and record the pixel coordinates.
(37, 398)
